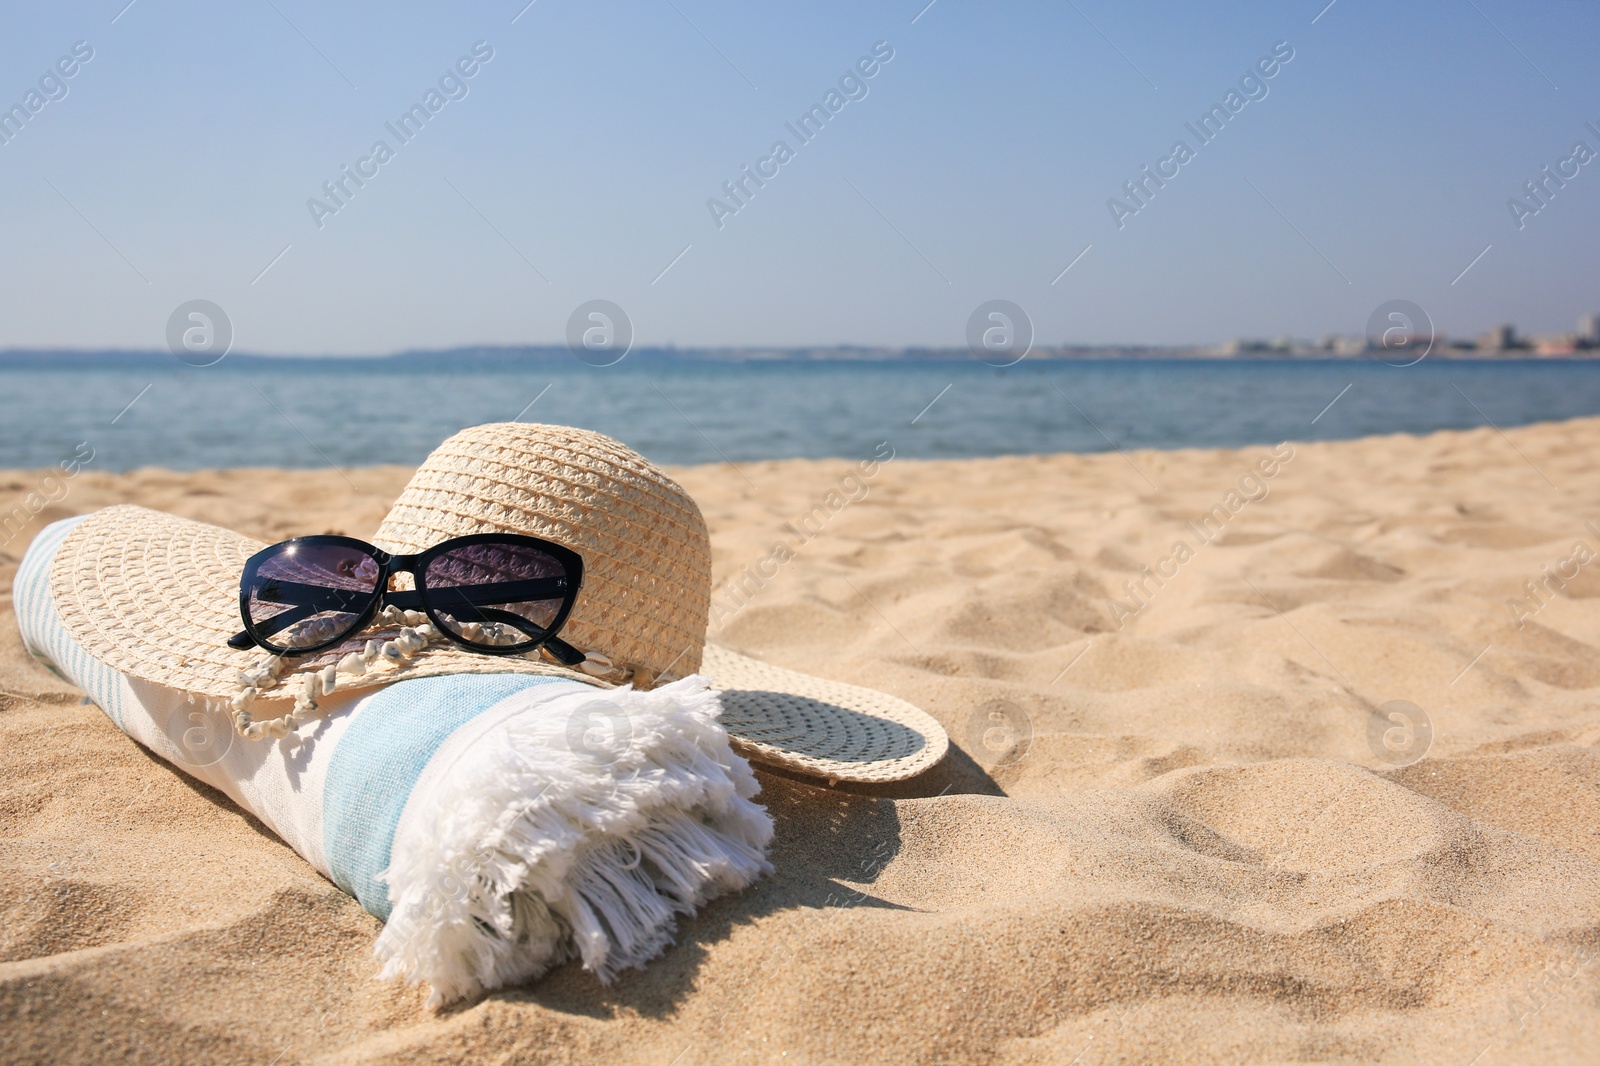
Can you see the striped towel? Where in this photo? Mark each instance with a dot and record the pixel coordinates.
(499, 824)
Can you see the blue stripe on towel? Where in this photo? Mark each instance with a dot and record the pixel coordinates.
(377, 763)
(42, 631)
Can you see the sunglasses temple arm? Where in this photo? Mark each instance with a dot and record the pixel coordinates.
(479, 597)
(307, 600)
(566, 653)
(544, 588)
(274, 625)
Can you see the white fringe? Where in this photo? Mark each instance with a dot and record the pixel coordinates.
(581, 821)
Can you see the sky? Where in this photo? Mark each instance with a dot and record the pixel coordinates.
(585, 157)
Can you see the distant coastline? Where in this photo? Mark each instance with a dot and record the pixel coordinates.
(1239, 351)
(154, 409)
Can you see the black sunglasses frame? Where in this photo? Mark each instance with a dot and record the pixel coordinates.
(419, 598)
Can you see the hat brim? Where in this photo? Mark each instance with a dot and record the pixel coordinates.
(156, 597)
(817, 726)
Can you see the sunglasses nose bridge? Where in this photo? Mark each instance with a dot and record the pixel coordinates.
(394, 565)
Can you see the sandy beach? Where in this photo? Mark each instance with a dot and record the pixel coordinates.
(1183, 819)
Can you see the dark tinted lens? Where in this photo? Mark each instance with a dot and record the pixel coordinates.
(307, 594)
(497, 594)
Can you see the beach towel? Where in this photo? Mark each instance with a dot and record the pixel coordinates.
(498, 824)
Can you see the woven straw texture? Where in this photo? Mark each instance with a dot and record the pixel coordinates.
(821, 727)
(646, 555)
(157, 597)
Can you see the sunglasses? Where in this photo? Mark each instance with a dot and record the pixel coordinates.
(497, 593)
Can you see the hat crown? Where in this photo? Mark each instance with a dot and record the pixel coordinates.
(646, 593)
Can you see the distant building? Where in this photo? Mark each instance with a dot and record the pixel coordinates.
(1499, 338)
(1243, 346)
(1589, 331)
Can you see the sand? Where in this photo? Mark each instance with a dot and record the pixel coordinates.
(1168, 831)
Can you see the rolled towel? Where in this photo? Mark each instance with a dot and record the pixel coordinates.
(499, 824)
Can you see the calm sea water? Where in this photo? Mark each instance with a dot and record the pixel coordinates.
(304, 413)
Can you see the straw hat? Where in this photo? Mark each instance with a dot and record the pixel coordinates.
(157, 597)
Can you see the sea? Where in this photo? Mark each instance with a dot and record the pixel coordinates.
(302, 412)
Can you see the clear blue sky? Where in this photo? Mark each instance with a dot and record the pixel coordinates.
(978, 165)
